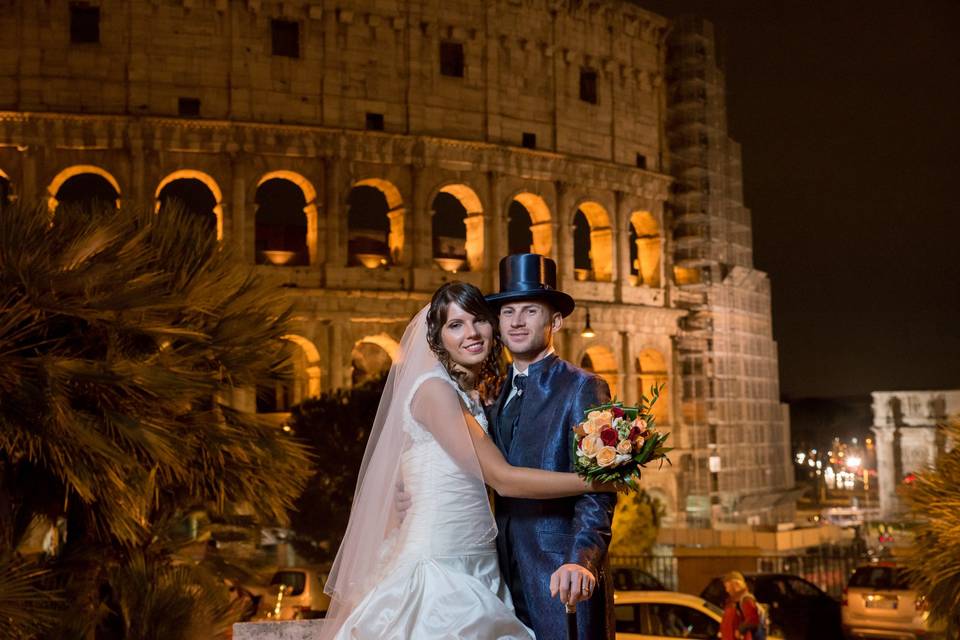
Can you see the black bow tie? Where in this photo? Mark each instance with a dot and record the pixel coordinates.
(520, 382)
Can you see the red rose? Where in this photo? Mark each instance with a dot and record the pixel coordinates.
(634, 433)
(617, 412)
(609, 437)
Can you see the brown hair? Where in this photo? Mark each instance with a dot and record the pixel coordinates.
(468, 298)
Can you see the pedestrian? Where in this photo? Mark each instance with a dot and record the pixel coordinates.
(741, 613)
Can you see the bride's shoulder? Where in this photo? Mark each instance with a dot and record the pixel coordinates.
(433, 383)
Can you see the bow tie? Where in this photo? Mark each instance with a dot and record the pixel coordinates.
(520, 383)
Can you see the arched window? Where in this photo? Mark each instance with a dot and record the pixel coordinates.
(645, 245)
(196, 194)
(592, 243)
(601, 360)
(4, 189)
(85, 190)
(369, 362)
(281, 223)
(374, 224)
(528, 225)
(303, 360)
(652, 370)
(519, 235)
(581, 247)
(449, 231)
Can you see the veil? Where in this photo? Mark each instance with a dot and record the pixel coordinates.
(417, 388)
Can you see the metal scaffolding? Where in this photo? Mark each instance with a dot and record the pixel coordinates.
(736, 432)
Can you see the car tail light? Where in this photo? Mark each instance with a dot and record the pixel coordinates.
(844, 600)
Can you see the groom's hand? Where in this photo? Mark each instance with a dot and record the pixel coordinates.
(572, 583)
(403, 500)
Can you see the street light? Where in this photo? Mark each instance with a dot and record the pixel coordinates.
(588, 331)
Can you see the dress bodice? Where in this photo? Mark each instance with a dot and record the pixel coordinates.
(449, 512)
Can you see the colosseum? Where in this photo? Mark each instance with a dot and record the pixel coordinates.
(362, 152)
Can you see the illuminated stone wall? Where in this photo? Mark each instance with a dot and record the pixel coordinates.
(361, 153)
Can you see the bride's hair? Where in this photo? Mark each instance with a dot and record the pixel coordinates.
(468, 298)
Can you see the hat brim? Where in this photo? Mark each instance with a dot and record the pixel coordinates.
(559, 300)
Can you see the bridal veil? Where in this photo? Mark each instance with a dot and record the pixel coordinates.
(374, 519)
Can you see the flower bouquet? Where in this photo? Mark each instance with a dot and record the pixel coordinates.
(614, 441)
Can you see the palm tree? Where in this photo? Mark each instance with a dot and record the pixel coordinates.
(934, 498)
(124, 337)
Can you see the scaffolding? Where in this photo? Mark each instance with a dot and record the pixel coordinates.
(736, 432)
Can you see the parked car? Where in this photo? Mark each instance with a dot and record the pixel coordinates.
(295, 593)
(631, 579)
(798, 609)
(665, 614)
(879, 602)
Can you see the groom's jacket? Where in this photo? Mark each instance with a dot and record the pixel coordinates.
(537, 536)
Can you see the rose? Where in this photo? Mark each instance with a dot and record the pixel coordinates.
(610, 437)
(606, 456)
(600, 419)
(590, 427)
(641, 423)
(579, 430)
(617, 412)
(590, 445)
(625, 447)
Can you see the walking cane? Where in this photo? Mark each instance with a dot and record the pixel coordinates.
(571, 622)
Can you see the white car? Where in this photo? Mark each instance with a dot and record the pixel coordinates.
(880, 603)
(665, 614)
(295, 593)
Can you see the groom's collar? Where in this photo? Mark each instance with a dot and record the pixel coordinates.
(534, 367)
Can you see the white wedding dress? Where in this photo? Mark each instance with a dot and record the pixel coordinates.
(440, 578)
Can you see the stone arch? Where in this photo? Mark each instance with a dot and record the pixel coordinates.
(651, 369)
(186, 185)
(601, 360)
(592, 242)
(307, 369)
(645, 249)
(457, 226)
(78, 171)
(286, 219)
(368, 220)
(371, 357)
(526, 206)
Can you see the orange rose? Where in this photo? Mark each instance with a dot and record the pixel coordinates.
(606, 456)
(591, 445)
(625, 447)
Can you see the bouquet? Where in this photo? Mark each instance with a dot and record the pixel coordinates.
(614, 441)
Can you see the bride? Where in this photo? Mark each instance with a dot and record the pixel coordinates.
(432, 572)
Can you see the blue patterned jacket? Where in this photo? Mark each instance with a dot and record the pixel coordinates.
(537, 536)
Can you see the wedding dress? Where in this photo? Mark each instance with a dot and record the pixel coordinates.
(436, 573)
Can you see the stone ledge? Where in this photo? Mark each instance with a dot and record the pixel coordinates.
(294, 630)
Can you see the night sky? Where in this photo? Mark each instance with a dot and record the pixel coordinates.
(848, 116)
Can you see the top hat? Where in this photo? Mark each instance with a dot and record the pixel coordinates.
(530, 276)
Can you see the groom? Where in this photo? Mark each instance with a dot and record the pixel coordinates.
(547, 545)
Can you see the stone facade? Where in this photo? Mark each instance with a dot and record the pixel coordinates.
(909, 439)
(527, 123)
